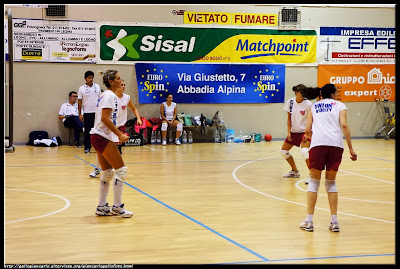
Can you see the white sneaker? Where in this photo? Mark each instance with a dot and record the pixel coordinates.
(307, 226)
(307, 180)
(104, 210)
(334, 227)
(121, 211)
(292, 174)
(95, 172)
(164, 142)
(177, 141)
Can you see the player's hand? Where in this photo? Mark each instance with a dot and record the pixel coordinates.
(353, 155)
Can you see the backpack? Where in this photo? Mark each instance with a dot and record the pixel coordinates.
(142, 129)
(188, 120)
(36, 135)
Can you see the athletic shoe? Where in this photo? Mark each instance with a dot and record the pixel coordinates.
(177, 141)
(307, 226)
(87, 150)
(307, 180)
(292, 174)
(334, 227)
(104, 210)
(78, 145)
(164, 142)
(95, 172)
(121, 211)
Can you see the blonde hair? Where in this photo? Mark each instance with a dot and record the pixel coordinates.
(108, 75)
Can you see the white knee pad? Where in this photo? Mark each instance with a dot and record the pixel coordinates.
(285, 154)
(164, 126)
(313, 185)
(179, 127)
(330, 185)
(304, 153)
(120, 173)
(107, 175)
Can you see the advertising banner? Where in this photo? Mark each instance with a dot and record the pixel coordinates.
(54, 41)
(230, 18)
(211, 83)
(132, 43)
(360, 83)
(356, 45)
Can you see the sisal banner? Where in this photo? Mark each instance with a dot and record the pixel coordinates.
(360, 83)
(127, 44)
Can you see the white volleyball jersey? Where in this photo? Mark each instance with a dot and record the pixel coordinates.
(89, 96)
(326, 129)
(107, 100)
(122, 116)
(298, 112)
(169, 110)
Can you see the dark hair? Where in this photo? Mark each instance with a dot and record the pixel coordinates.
(325, 92)
(168, 94)
(89, 73)
(71, 93)
(298, 88)
(109, 75)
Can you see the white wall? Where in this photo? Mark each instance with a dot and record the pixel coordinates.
(41, 88)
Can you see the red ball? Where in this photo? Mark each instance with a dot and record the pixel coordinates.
(268, 137)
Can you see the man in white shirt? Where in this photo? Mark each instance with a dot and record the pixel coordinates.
(70, 116)
(88, 95)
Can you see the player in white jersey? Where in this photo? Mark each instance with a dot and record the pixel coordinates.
(328, 122)
(104, 138)
(168, 112)
(88, 94)
(297, 109)
(124, 101)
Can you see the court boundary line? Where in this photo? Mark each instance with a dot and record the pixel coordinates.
(41, 216)
(289, 201)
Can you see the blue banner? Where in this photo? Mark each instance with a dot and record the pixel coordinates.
(211, 83)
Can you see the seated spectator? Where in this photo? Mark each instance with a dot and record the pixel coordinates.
(70, 116)
(168, 112)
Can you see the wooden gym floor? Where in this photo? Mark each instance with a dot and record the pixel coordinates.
(202, 203)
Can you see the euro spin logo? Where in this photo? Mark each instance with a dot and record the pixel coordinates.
(265, 85)
(152, 83)
(123, 44)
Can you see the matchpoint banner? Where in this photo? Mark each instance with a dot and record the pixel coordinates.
(131, 43)
(211, 83)
(356, 45)
(360, 83)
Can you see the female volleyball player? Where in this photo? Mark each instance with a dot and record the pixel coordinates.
(328, 119)
(168, 112)
(104, 138)
(297, 109)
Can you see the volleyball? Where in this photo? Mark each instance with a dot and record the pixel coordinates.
(268, 137)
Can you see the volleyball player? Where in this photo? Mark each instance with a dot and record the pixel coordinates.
(328, 121)
(104, 138)
(297, 109)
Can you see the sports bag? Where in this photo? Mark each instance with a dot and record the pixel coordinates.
(37, 135)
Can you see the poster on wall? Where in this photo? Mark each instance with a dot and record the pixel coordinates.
(211, 83)
(54, 40)
(356, 45)
(132, 43)
(360, 83)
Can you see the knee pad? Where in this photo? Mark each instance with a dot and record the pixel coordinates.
(107, 175)
(285, 154)
(164, 126)
(304, 153)
(330, 185)
(313, 185)
(179, 127)
(120, 173)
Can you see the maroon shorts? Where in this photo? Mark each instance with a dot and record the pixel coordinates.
(98, 142)
(328, 156)
(297, 138)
